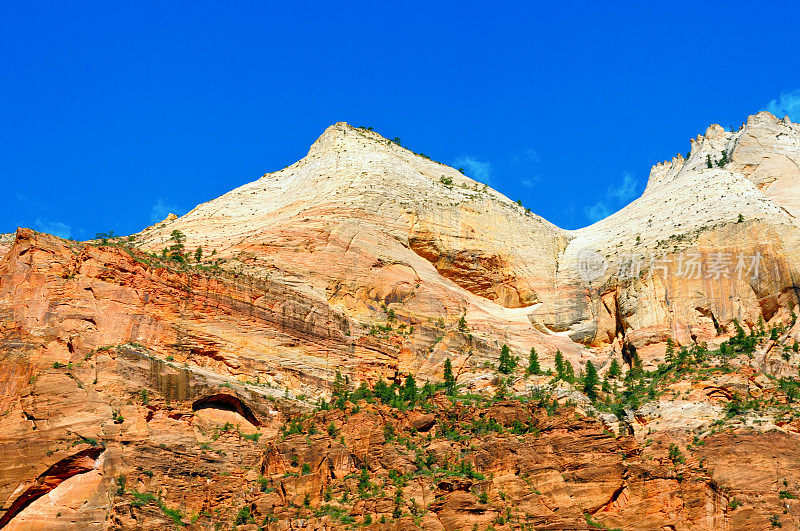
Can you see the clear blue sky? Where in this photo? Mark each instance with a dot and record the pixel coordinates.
(115, 113)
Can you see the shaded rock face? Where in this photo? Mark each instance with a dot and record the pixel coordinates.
(141, 392)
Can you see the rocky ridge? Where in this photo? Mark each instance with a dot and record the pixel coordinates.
(139, 390)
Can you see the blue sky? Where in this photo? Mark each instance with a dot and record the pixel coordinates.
(114, 114)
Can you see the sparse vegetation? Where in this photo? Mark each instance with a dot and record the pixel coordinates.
(533, 363)
(508, 362)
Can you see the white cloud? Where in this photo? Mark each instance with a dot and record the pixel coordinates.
(476, 169)
(597, 211)
(787, 104)
(56, 228)
(532, 155)
(616, 197)
(530, 181)
(626, 190)
(161, 209)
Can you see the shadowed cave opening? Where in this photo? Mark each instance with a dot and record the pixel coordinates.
(226, 402)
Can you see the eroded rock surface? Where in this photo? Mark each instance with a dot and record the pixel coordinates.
(137, 391)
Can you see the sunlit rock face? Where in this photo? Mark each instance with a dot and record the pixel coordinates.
(713, 238)
(362, 223)
(367, 259)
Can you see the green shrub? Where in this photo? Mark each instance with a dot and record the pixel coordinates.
(590, 381)
(508, 362)
(120, 481)
(244, 517)
(141, 499)
(614, 370)
(675, 454)
(533, 363)
(449, 379)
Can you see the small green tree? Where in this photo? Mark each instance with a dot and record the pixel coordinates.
(724, 160)
(176, 250)
(669, 355)
(559, 361)
(198, 254)
(508, 362)
(590, 381)
(410, 389)
(614, 370)
(105, 236)
(339, 387)
(675, 454)
(606, 387)
(449, 379)
(569, 373)
(533, 363)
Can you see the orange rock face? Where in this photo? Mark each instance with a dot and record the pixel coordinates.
(139, 391)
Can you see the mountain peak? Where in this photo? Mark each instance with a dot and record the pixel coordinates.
(761, 137)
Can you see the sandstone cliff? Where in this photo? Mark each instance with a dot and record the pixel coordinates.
(140, 391)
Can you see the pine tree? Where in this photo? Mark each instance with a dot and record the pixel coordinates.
(559, 361)
(198, 254)
(449, 379)
(614, 369)
(339, 388)
(569, 373)
(381, 391)
(590, 381)
(669, 356)
(175, 251)
(507, 362)
(533, 363)
(410, 389)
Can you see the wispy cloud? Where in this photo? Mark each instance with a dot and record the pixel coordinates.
(569, 214)
(476, 169)
(598, 211)
(527, 160)
(161, 209)
(616, 197)
(626, 190)
(62, 230)
(530, 156)
(787, 104)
